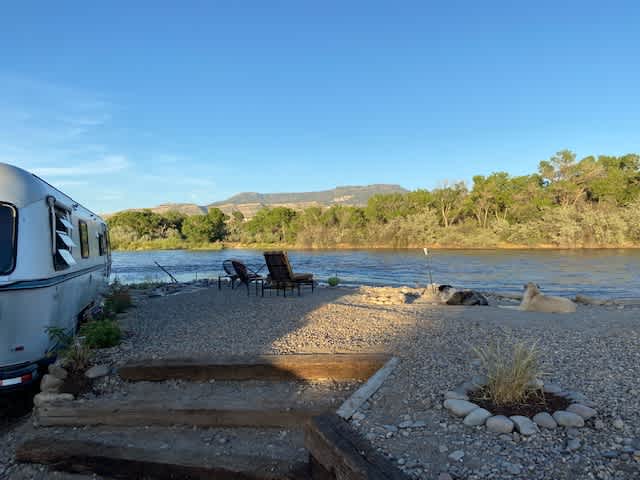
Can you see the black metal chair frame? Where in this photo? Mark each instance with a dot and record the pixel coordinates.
(231, 274)
(247, 276)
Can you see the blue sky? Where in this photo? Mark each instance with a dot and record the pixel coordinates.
(131, 104)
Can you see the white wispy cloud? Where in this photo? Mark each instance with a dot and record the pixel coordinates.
(109, 164)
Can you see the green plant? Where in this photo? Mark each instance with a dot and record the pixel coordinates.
(511, 372)
(103, 333)
(75, 353)
(333, 281)
(60, 336)
(118, 300)
(78, 355)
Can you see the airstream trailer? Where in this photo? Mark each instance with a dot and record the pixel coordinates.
(55, 262)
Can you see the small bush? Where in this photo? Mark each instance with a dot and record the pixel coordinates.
(118, 300)
(73, 350)
(511, 373)
(101, 333)
(333, 281)
(78, 355)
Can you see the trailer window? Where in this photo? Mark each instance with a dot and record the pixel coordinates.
(7, 239)
(84, 239)
(63, 243)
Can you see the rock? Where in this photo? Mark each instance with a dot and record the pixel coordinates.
(460, 408)
(57, 371)
(456, 455)
(49, 383)
(419, 424)
(499, 424)
(582, 410)
(390, 428)
(480, 381)
(358, 416)
(445, 476)
(97, 371)
(47, 397)
(573, 444)
(524, 425)
(545, 420)
(599, 424)
(573, 432)
(451, 395)
(618, 424)
(568, 419)
(551, 388)
(610, 454)
(476, 417)
(536, 384)
(513, 468)
(406, 424)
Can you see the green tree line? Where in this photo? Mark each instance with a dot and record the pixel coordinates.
(568, 203)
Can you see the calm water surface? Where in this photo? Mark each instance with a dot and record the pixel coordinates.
(600, 273)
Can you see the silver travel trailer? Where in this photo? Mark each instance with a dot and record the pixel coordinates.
(55, 262)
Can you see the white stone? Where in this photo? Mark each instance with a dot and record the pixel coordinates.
(545, 420)
(476, 417)
(451, 395)
(97, 371)
(456, 456)
(57, 371)
(536, 384)
(49, 383)
(582, 410)
(568, 419)
(551, 388)
(524, 425)
(47, 397)
(499, 424)
(460, 408)
(618, 424)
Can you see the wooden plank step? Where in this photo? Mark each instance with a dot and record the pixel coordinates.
(141, 413)
(341, 366)
(128, 462)
(341, 453)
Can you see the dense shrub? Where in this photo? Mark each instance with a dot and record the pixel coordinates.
(101, 333)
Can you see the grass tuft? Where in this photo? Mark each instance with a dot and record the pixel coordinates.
(511, 372)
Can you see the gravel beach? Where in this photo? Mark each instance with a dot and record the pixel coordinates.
(595, 350)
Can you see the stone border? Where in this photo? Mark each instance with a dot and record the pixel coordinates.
(458, 404)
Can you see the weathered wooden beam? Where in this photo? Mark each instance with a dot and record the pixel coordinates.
(342, 452)
(126, 462)
(351, 404)
(343, 366)
(139, 413)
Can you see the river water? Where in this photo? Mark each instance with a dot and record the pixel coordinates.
(598, 273)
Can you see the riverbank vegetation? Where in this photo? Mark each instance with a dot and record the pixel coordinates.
(567, 203)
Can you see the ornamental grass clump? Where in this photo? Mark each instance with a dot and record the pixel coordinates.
(512, 373)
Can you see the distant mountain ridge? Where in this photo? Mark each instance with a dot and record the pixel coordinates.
(250, 202)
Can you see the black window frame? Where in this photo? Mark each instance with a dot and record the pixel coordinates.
(102, 250)
(84, 236)
(14, 246)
